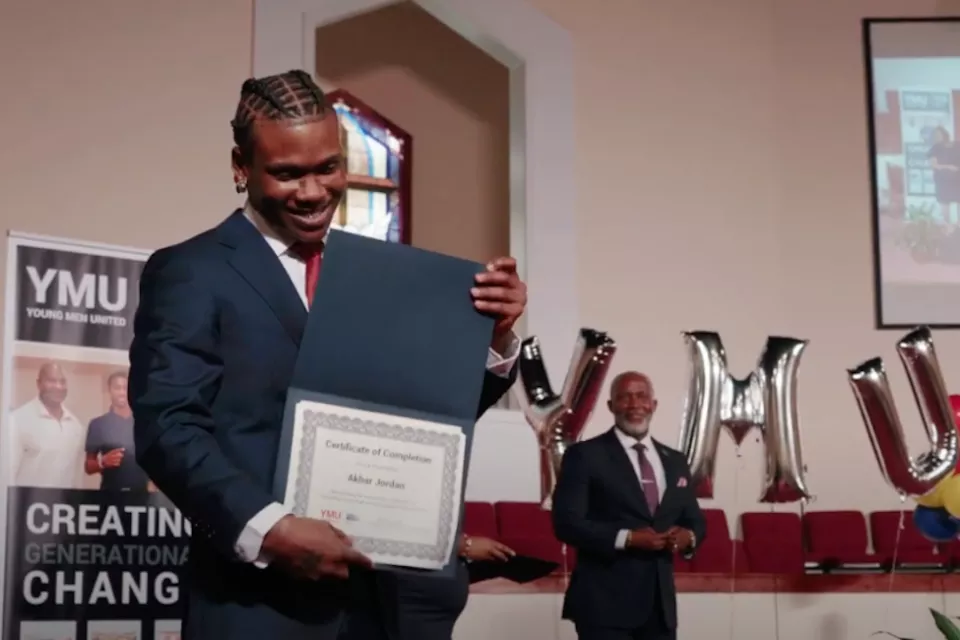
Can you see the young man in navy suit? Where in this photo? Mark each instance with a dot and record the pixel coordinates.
(626, 504)
(217, 331)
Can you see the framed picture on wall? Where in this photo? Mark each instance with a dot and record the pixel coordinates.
(913, 110)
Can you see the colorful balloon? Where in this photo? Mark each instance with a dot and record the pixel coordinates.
(934, 497)
(936, 525)
(948, 493)
(955, 406)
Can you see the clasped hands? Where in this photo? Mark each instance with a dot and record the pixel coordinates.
(673, 539)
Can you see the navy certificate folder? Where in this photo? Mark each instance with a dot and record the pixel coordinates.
(392, 329)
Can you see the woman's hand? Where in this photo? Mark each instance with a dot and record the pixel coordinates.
(480, 549)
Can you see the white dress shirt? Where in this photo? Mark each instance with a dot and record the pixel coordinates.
(653, 456)
(48, 452)
(250, 541)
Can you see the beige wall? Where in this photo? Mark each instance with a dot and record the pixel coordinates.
(722, 174)
(452, 98)
(116, 116)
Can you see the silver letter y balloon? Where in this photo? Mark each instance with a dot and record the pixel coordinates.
(909, 476)
(558, 420)
(766, 399)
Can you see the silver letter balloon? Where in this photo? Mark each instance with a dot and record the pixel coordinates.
(766, 400)
(909, 476)
(558, 420)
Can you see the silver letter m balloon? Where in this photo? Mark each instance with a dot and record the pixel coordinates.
(558, 420)
(913, 477)
(766, 399)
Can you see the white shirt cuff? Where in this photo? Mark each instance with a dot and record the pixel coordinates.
(250, 542)
(501, 365)
(621, 541)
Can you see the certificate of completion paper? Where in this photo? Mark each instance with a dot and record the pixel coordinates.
(393, 343)
(393, 484)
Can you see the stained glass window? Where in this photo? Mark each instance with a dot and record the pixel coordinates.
(377, 202)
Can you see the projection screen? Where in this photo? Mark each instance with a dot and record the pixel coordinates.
(913, 89)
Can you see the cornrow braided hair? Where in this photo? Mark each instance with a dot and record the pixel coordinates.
(287, 96)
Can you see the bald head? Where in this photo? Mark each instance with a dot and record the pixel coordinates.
(632, 402)
(51, 384)
(49, 369)
(628, 376)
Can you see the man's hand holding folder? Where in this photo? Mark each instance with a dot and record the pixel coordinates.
(312, 549)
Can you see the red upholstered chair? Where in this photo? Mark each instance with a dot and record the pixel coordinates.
(837, 538)
(773, 542)
(718, 553)
(952, 551)
(527, 529)
(480, 519)
(913, 548)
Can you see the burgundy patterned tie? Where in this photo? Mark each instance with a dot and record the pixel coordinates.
(647, 478)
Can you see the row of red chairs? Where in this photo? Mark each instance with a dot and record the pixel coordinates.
(780, 543)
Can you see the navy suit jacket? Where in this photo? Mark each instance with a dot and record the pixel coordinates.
(216, 336)
(597, 495)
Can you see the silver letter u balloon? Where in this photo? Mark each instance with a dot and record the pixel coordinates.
(558, 420)
(766, 400)
(909, 476)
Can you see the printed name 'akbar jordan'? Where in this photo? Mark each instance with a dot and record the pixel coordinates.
(380, 482)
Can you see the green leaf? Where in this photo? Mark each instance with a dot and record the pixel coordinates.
(945, 625)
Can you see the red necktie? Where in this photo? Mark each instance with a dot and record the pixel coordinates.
(312, 255)
(648, 479)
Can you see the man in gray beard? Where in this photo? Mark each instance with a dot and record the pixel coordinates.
(626, 503)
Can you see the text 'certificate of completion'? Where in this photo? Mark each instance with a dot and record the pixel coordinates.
(392, 484)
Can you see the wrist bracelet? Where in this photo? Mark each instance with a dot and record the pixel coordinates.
(467, 544)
